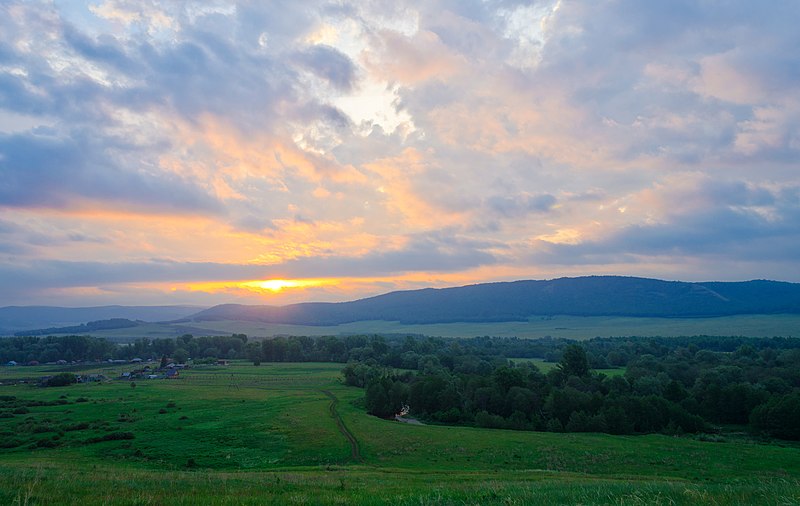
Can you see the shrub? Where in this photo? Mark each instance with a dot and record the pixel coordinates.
(62, 379)
(77, 426)
(10, 443)
(47, 443)
(42, 427)
(779, 417)
(111, 436)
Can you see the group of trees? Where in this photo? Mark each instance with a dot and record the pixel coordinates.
(187, 346)
(51, 349)
(669, 385)
(569, 398)
(682, 389)
(80, 348)
(86, 348)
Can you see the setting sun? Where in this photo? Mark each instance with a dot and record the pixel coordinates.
(277, 285)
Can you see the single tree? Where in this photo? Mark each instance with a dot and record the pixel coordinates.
(574, 361)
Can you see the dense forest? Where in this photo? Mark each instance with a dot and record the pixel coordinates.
(670, 385)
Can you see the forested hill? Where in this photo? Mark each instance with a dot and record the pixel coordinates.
(513, 301)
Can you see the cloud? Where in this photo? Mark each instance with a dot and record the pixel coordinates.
(386, 140)
(522, 204)
(428, 253)
(712, 226)
(412, 59)
(329, 64)
(52, 172)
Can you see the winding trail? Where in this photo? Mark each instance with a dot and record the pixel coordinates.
(355, 453)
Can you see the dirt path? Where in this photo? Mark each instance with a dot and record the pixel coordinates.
(355, 454)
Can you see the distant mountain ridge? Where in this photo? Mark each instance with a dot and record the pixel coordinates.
(518, 300)
(84, 328)
(17, 318)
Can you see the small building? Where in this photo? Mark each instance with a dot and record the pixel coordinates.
(92, 378)
(11, 363)
(172, 374)
(222, 361)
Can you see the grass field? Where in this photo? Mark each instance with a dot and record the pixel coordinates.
(293, 434)
(572, 327)
(546, 367)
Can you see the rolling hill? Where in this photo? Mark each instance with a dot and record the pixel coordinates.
(19, 318)
(517, 300)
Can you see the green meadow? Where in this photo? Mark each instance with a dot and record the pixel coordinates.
(294, 434)
(546, 367)
(570, 327)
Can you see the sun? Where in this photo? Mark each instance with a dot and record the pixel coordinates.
(277, 285)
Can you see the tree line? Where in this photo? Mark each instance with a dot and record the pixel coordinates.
(669, 385)
(82, 348)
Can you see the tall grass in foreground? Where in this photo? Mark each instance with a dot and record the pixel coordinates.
(43, 485)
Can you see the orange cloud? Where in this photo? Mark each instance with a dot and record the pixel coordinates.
(399, 178)
(230, 153)
(412, 59)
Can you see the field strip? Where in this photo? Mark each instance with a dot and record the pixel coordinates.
(355, 453)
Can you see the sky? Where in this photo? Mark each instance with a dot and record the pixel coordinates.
(270, 152)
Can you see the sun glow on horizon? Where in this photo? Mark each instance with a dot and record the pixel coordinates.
(278, 285)
(340, 289)
(260, 287)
